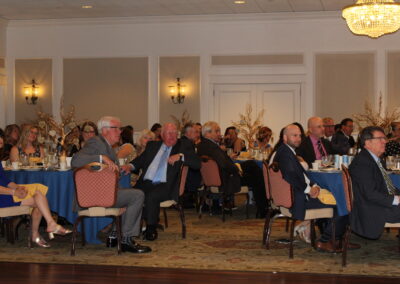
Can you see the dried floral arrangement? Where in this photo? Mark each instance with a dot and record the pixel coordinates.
(180, 123)
(370, 117)
(53, 133)
(248, 128)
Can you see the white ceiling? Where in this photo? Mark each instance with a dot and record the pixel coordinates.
(63, 9)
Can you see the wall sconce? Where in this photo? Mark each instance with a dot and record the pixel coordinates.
(31, 93)
(177, 92)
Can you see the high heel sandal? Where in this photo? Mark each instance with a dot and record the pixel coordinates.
(59, 231)
(40, 242)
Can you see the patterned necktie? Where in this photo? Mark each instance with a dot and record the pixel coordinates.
(320, 149)
(160, 174)
(390, 187)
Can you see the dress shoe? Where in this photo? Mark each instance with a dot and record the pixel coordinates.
(325, 247)
(59, 231)
(150, 235)
(134, 247)
(40, 242)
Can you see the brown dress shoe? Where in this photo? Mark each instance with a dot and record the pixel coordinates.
(324, 247)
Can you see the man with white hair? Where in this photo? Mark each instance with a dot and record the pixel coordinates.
(99, 149)
(160, 164)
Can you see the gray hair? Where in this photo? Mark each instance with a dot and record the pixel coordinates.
(208, 127)
(105, 121)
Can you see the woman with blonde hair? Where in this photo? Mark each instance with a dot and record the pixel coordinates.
(28, 144)
(145, 136)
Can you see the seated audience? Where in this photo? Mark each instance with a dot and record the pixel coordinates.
(393, 146)
(329, 127)
(27, 145)
(304, 192)
(314, 146)
(71, 142)
(232, 179)
(342, 140)
(160, 164)
(197, 128)
(232, 141)
(376, 200)
(126, 150)
(145, 136)
(12, 194)
(156, 129)
(11, 137)
(99, 149)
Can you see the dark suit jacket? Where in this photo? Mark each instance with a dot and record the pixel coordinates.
(143, 162)
(293, 173)
(306, 150)
(230, 173)
(341, 144)
(91, 152)
(371, 198)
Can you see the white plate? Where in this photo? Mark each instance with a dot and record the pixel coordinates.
(63, 170)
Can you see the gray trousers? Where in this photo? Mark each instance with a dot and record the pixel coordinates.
(133, 200)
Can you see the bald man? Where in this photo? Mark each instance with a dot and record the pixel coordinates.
(305, 193)
(314, 146)
(160, 164)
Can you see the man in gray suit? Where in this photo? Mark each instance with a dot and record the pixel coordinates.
(99, 149)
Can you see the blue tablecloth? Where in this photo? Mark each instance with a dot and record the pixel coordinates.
(61, 196)
(333, 182)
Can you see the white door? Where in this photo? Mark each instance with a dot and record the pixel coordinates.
(281, 103)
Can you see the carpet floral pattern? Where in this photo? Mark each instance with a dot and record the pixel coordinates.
(211, 244)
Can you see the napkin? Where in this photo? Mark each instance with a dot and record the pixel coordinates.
(326, 197)
(31, 190)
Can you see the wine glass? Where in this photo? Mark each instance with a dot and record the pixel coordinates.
(326, 161)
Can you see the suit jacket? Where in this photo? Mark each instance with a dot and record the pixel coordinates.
(229, 172)
(371, 198)
(341, 144)
(293, 172)
(91, 152)
(184, 147)
(306, 150)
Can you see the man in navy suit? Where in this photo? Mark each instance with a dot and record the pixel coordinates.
(376, 200)
(160, 164)
(305, 193)
(342, 140)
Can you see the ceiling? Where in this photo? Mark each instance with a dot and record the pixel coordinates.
(64, 9)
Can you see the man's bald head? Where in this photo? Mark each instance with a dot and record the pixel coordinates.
(316, 127)
(292, 135)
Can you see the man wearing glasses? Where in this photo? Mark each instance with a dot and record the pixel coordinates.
(376, 200)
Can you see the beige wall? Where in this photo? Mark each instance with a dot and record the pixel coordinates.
(188, 69)
(108, 86)
(257, 59)
(343, 83)
(25, 71)
(393, 77)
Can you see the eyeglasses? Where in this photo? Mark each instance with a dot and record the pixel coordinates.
(380, 138)
(113, 127)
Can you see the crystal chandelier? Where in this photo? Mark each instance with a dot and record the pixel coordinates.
(373, 17)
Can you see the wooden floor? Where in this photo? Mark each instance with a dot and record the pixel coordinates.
(60, 273)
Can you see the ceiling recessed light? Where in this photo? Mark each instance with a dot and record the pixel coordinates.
(239, 2)
(87, 6)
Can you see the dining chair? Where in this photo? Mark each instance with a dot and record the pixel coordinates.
(8, 216)
(177, 205)
(212, 181)
(281, 196)
(96, 188)
(348, 192)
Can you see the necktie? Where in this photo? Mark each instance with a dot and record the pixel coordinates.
(320, 149)
(390, 187)
(160, 175)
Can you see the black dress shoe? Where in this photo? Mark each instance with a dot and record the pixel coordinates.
(135, 248)
(150, 235)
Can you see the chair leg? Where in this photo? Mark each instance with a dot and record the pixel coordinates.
(312, 233)
(291, 238)
(183, 221)
(29, 231)
(333, 239)
(74, 233)
(287, 224)
(247, 205)
(267, 228)
(83, 231)
(10, 230)
(345, 244)
(2, 228)
(165, 218)
(119, 235)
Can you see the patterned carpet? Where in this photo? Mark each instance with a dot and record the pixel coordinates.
(211, 244)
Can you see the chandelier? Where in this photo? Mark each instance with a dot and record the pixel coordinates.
(373, 17)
